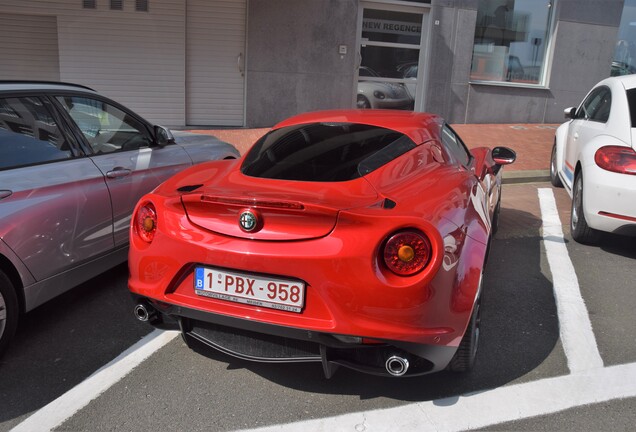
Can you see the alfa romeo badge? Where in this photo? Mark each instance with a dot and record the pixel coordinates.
(248, 221)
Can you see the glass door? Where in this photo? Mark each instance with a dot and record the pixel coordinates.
(391, 57)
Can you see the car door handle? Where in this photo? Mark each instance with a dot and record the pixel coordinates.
(118, 172)
(5, 193)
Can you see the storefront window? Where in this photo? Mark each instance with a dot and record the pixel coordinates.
(625, 54)
(511, 41)
(390, 43)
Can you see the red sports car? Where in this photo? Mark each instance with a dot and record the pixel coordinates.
(353, 238)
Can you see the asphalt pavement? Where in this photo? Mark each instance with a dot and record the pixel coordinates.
(521, 381)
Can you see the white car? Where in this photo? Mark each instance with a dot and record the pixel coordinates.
(381, 95)
(594, 158)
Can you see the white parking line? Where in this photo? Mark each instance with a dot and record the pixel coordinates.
(482, 409)
(62, 408)
(575, 327)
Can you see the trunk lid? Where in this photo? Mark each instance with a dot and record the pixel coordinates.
(279, 210)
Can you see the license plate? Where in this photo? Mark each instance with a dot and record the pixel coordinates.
(269, 292)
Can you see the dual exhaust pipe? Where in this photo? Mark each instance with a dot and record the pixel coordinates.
(395, 365)
(145, 313)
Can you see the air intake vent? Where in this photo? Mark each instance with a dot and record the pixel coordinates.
(89, 4)
(250, 345)
(116, 4)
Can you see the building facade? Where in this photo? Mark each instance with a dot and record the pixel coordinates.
(252, 63)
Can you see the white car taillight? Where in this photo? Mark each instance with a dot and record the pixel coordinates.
(616, 159)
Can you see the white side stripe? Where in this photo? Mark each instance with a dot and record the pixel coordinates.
(576, 332)
(62, 408)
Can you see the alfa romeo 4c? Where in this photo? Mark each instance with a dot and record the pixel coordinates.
(351, 238)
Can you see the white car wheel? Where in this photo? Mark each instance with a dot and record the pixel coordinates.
(554, 175)
(362, 102)
(580, 230)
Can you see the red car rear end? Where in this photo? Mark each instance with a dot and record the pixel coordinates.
(346, 237)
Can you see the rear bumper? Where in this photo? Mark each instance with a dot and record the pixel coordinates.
(609, 200)
(262, 342)
(347, 291)
(349, 295)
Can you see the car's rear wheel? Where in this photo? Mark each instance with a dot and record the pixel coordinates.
(495, 216)
(580, 230)
(362, 102)
(464, 358)
(554, 175)
(8, 312)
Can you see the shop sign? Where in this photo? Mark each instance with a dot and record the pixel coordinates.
(392, 27)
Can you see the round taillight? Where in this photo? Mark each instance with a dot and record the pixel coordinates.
(616, 159)
(146, 222)
(407, 252)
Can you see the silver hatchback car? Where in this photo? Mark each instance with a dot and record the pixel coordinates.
(73, 164)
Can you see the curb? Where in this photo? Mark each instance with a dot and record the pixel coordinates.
(525, 176)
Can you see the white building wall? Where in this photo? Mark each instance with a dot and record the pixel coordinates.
(136, 58)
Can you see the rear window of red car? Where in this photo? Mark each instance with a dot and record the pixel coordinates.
(324, 152)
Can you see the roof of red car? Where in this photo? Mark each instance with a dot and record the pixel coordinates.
(420, 127)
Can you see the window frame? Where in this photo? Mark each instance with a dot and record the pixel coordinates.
(631, 102)
(79, 135)
(582, 112)
(379, 150)
(60, 125)
(624, 56)
(544, 83)
(458, 144)
(417, 83)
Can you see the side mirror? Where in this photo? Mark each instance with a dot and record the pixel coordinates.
(163, 136)
(569, 113)
(503, 155)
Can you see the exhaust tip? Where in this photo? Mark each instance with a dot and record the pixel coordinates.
(397, 366)
(144, 313)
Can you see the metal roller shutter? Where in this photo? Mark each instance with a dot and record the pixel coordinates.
(215, 59)
(28, 47)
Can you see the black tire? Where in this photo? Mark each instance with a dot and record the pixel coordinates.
(554, 175)
(464, 358)
(580, 230)
(495, 216)
(362, 102)
(8, 312)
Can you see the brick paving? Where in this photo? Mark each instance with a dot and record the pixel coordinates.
(242, 139)
(520, 212)
(532, 142)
